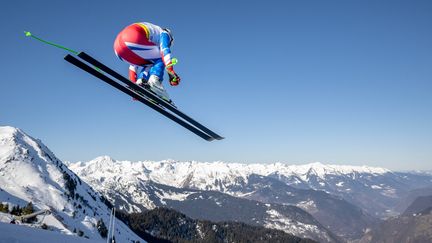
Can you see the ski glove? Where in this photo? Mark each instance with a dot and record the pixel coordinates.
(174, 79)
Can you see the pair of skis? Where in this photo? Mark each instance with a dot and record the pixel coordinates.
(141, 94)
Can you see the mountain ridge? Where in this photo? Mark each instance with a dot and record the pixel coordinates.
(31, 173)
(353, 183)
(365, 193)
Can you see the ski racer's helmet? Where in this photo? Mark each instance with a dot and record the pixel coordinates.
(170, 35)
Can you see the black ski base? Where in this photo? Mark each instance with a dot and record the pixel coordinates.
(141, 94)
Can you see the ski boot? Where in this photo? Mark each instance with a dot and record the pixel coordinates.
(155, 85)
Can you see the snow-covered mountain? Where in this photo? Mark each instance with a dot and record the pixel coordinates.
(218, 176)
(133, 191)
(346, 199)
(134, 185)
(376, 190)
(30, 172)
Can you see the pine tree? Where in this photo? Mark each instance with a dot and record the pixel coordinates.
(28, 209)
(6, 208)
(103, 231)
(16, 210)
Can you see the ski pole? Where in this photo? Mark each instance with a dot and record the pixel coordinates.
(27, 33)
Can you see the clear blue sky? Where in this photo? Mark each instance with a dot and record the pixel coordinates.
(346, 82)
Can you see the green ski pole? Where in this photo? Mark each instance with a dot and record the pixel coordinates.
(27, 33)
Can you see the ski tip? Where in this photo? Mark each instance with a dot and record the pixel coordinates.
(83, 55)
(27, 33)
(215, 138)
(66, 57)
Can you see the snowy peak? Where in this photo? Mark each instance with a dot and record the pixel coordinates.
(26, 165)
(323, 170)
(14, 142)
(30, 172)
(106, 167)
(216, 175)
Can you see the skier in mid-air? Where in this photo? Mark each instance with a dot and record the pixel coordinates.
(146, 47)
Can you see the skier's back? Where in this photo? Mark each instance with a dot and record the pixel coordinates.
(146, 47)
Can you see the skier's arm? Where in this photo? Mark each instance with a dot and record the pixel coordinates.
(133, 73)
(166, 58)
(165, 49)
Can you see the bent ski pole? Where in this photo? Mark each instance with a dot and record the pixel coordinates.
(27, 33)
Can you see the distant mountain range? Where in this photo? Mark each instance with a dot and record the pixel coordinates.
(375, 190)
(133, 193)
(347, 200)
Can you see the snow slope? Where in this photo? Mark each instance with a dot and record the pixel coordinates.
(22, 234)
(30, 172)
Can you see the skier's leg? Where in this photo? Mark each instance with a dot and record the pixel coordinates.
(155, 80)
(157, 69)
(144, 73)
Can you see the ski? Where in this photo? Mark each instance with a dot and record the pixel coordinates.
(149, 101)
(147, 93)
